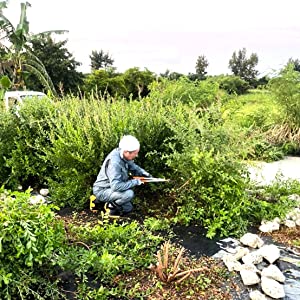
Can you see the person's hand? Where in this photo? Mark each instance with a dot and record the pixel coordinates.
(139, 182)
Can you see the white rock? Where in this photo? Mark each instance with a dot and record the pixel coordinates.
(269, 226)
(298, 222)
(277, 220)
(249, 267)
(38, 199)
(273, 272)
(289, 223)
(220, 254)
(254, 257)
(272, 288)
(293, 214)
(251, 240)
(294, 197)
(257, 295)
(231, 263)
(270, 252)
(44, 192)
(240, 252)
(249, 277)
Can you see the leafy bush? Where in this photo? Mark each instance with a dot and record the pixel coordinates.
(30, 236)
(87, 130)
(25, 137)
(213, 180)
(232, 84)
(216, 194)
(199, 94)
(286, 90)
(111, 249)
(8, 133)
(273, 200)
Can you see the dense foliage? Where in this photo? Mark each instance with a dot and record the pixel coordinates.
(30, 237)
(36, 252)
(198, 131)
(192, 132)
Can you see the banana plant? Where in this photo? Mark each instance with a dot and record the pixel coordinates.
(19, 59)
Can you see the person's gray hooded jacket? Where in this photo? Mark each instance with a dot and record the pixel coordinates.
(114, 173)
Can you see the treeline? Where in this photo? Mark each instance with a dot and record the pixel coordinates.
(38, 62)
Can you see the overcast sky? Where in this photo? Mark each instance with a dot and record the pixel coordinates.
(171, 34)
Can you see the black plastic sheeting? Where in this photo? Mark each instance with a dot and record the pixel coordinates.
(193, 239)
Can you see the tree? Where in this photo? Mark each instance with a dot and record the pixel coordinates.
(100, 60)
(201, 65)
(137, 82)
(103, 83)
(244, 67)
(18, 59)
(171, 75)
(232, 84)
(59, 63)
(295, 63)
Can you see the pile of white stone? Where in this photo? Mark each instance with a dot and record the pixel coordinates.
(39, 198)
(292, 219)
(255, 263)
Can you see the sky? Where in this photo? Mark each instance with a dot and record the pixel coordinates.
(170, 35)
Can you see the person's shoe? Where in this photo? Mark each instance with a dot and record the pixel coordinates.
(92, 203)
(114, 213)
(111, 211)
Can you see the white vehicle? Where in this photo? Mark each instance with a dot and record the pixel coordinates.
(16, 98)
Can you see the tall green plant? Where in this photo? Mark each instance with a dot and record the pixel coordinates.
(286, 88)
(19, 59)
(24, 138)
(199, 94)
(85, 131)
(212, 189)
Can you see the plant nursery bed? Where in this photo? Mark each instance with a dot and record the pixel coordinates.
(213, 282)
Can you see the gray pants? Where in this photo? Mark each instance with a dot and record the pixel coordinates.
(123, 199)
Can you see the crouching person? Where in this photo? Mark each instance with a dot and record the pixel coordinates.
(113, 184)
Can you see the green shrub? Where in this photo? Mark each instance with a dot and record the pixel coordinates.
(26, 137)
(216, 194)
(30, 236)
(213, 181)
(286, 87)
(8, 133)
(112, 249)
(199, 94)
(232, 84)
(273, 200)
(87, 130)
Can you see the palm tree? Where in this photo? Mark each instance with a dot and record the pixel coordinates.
(17, 59)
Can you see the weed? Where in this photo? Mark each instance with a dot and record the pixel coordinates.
(167, 269)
